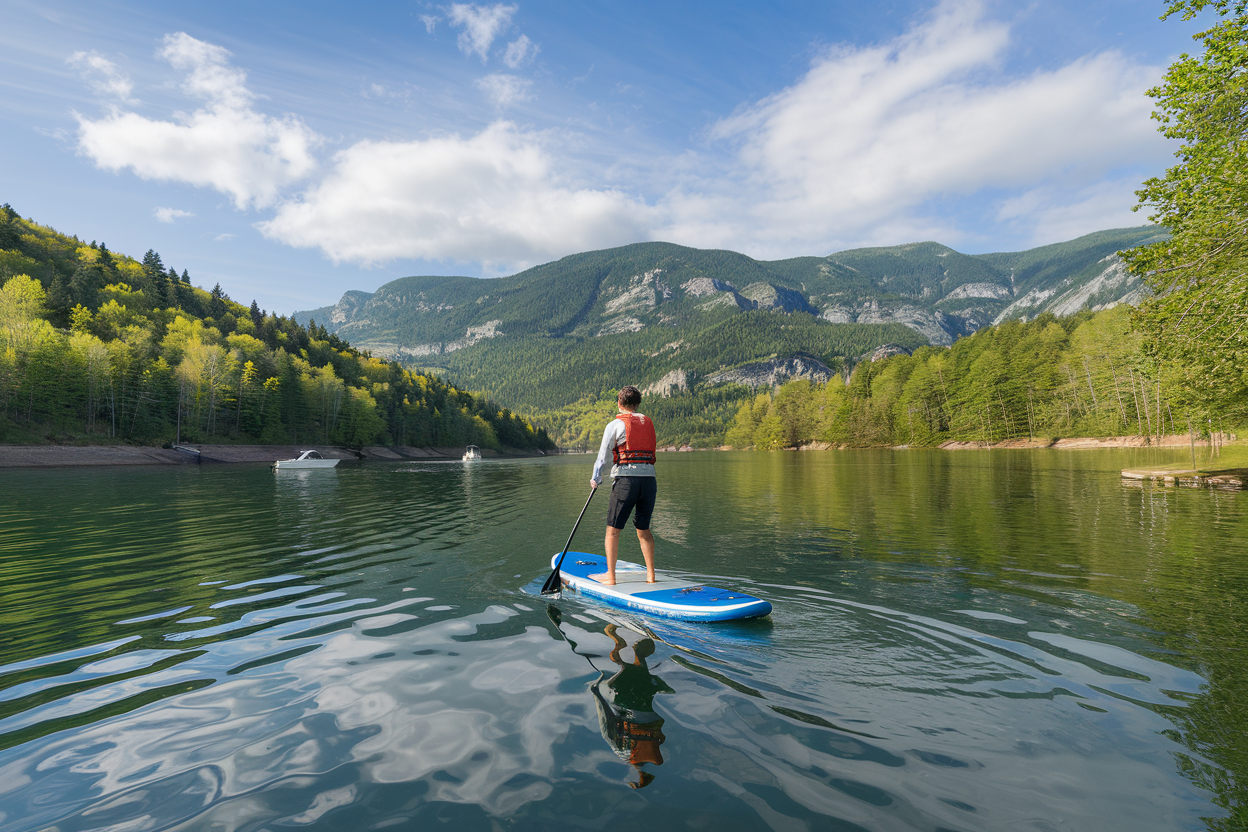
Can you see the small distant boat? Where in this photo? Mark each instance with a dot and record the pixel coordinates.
(307, 459)
(472, 453)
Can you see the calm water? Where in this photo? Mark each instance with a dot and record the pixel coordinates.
(961, 641)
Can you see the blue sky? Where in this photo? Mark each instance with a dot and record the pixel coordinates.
(293, 151)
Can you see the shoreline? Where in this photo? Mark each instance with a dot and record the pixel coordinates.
(74, 456)
(78, 456)
(1070, 443)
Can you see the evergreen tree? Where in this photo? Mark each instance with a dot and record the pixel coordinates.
(216, 304)
(10, 233)
(59, 300)
(152, 264)
(171, 286)
(85, 285)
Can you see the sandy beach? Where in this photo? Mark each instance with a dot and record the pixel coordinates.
(1179, 440)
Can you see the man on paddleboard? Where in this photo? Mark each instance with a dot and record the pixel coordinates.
(630, 440)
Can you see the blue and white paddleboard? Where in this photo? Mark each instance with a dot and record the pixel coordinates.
(668, 597)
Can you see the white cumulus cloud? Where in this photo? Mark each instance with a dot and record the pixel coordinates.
(877, 144)
(481, 25)
(504, 90)
(520, 50)
(171, 214)
(103, 75)
(208, 72)
(494, 198)
(858, 145)
(226, 144)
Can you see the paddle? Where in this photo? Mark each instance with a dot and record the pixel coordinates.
(552, 583)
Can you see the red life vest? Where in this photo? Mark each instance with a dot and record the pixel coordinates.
(639, 440)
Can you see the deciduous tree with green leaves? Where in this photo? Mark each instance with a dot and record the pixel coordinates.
(1195, 322)
(99, 344)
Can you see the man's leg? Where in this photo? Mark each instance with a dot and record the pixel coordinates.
(647, 551)
(613, 551)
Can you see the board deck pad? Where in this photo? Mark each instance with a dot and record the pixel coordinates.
(667, 596)
(630, 577)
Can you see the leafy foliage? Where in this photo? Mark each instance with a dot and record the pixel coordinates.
(1085, 375)
(1194, 327)
(96, 344)
(1195, 323)
(1190, 8)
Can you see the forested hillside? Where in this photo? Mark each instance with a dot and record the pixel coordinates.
(96, 346)
(536, 373)
(1083, 375)
(569, 383)
(701, 328)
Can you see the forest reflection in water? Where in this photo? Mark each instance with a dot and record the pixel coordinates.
(970, 640)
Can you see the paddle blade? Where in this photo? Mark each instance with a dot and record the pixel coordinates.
(553, 583)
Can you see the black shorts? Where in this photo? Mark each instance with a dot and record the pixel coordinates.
(627, 494)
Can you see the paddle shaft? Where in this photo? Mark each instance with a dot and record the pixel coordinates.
(556, 618)
(552, 583)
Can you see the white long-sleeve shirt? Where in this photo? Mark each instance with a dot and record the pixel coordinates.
(612, 436)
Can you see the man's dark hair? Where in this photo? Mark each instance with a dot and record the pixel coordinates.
(629, 396)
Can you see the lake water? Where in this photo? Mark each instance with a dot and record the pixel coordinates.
(961, 641)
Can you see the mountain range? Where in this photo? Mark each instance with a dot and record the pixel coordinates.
(676, 318)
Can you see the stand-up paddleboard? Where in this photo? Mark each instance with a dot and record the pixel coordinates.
(668, 597)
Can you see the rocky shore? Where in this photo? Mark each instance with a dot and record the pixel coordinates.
(34, 456)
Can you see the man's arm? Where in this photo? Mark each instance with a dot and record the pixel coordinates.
(610, 438)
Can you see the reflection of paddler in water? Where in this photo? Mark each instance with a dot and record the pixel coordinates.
(625, 702)
(626, 714)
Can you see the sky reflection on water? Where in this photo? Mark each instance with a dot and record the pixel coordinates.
(957, 643)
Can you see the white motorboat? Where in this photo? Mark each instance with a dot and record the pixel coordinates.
(472, 453)
(307, 459)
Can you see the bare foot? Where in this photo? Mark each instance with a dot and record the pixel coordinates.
(650, 579)
(606, 582)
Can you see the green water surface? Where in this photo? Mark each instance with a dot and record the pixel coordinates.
(961, 641)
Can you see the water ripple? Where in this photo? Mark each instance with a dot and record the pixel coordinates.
(255, 651)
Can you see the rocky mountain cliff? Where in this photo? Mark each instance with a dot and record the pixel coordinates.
(932, 289)
(704, 327)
